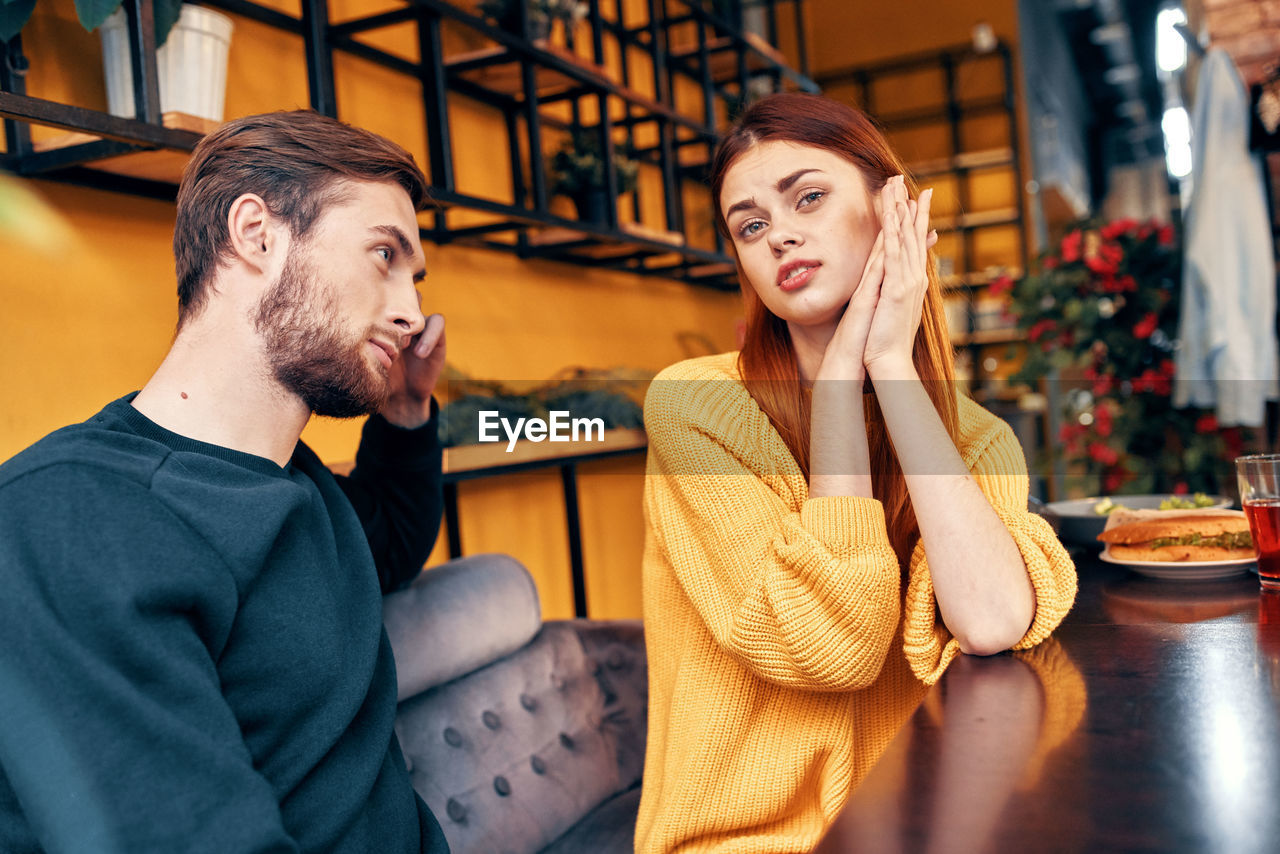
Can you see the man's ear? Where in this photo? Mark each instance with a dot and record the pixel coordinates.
(256, 234)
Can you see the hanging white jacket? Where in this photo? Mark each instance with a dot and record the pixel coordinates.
(1227, 356)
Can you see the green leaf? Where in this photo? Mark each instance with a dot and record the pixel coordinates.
(13, 17)
(1061, 359)
(93, 12)
(166, 14)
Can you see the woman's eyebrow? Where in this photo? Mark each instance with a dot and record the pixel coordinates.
(786, 183)
(744, 205)
(782, 186)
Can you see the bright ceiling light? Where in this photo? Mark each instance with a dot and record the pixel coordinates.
(1171, 50)
(1177, 141)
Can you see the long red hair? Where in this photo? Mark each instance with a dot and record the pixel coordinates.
(767, 361)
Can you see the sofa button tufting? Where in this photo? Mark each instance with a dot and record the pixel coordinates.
(491, 720)
(528, 702)
(456, 811)
(538, 766)
(566, 740)
(452, 737)
(501, 786)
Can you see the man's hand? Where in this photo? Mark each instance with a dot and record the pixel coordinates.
(414, 375)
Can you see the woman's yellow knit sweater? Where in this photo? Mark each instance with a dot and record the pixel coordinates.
(783, 655)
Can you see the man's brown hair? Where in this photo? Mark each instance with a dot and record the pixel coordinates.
(293, 160)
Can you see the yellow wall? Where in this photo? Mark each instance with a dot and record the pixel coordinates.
(843, 33)
(89, 311)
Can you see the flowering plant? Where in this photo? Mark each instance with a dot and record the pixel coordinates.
(1103, 311)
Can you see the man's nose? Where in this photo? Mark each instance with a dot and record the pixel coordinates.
(405, 310)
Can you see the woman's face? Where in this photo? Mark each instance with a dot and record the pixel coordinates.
(803, 222)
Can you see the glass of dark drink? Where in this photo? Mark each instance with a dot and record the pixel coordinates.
(1259, 477)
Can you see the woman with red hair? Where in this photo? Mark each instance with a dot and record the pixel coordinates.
(829, 522)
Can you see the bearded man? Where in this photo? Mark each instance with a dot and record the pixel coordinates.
(191, 647)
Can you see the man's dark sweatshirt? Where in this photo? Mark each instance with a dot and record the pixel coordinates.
(191, 647)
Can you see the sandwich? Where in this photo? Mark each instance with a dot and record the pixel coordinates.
(1187, 535)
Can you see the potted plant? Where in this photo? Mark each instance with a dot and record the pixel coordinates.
(191, 52)
(15, 14)
(542, 14)
(577, 171)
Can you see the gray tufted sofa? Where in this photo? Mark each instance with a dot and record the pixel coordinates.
(521, 736)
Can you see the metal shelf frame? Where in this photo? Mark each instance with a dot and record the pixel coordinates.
(620, 110)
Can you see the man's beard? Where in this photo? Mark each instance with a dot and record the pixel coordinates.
(306, 352)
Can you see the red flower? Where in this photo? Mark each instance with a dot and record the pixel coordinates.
(1112, 481)
(1207, 423)
(1234, 439)
(1000, 286)
(1167, 368)
(1071, 246)
(1104, 454)
(1050, 262)
(1103, 385)
(1070, 435)
(1106, 260)
(1039, 328)
(1144, 327)
(1125, 283)
(1165, 235)
(1102, 421)
(1152, 381)
(1121, 226)
(1181, 488)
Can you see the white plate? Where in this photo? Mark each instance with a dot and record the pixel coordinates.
(1183, 570)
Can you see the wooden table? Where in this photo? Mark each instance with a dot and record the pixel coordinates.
(1152, 723)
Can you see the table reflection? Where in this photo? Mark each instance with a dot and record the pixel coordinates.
(1150, 722)
(1147, 600)
(988, 731)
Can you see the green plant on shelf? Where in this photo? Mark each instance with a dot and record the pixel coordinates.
(577, 169)
(542, 14)
(611, 394)
(14, 15)
(1102, 312)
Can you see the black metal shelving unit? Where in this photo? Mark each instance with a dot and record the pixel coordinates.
(532, 84)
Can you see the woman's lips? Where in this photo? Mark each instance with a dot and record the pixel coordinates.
(796, 274)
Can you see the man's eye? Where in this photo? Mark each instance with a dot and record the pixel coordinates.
(385, 252)
(810, 197)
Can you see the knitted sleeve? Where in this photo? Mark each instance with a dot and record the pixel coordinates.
(996, 461)
(803, 594)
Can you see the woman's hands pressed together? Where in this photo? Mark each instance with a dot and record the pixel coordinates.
(880, 323)
(906, 240)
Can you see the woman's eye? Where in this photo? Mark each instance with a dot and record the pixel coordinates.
(810, 197)
(749, 228)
